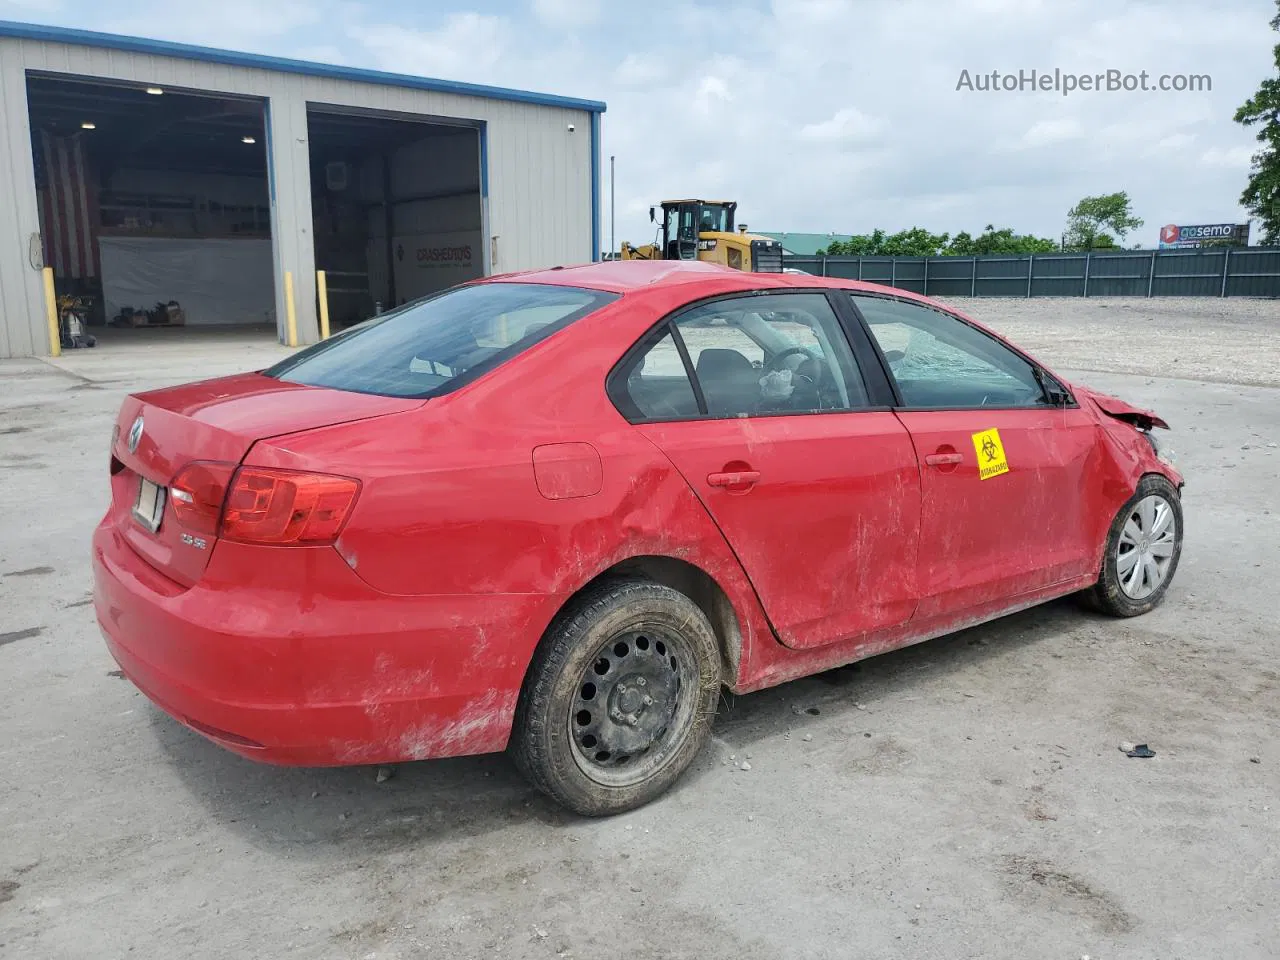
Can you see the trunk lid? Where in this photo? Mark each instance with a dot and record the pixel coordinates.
(215, 420)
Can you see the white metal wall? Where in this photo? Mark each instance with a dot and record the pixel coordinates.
(539, 173)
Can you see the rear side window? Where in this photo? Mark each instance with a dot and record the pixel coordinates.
(657, 386)
(433, 346)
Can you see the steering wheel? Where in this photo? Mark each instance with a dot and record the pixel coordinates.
(775, 362)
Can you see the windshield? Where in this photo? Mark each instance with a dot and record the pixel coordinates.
(715, 218)
(434, 345)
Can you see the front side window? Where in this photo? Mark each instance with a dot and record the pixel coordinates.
(430, 346)
(939, 361)
(749, 356)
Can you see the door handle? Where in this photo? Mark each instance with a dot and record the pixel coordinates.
(944, 459)
(737, 478)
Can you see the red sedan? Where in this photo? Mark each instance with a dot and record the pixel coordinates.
(556, 512)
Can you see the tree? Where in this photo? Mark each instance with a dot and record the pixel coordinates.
(993, 241)
(1262, 194)
(918, 242)
(1089, 221)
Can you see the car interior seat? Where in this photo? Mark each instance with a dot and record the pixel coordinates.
(730, 384)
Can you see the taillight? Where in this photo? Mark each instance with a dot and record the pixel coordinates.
(271, 506)
(197, 493)
(116, 465)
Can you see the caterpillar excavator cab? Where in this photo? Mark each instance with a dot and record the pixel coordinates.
(704, 230)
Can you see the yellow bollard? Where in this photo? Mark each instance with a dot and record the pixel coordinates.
(51, 311)
(322, 293)
(290, 313)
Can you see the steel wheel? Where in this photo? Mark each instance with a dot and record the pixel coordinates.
(619, 697)
(1146, 547)
(633, 706)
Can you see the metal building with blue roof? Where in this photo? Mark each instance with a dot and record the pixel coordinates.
(143, 172)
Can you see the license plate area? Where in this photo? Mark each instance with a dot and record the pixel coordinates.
(148, 507)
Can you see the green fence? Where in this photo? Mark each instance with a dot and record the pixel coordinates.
(1209, 272)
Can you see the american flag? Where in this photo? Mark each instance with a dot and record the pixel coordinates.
(68, 206)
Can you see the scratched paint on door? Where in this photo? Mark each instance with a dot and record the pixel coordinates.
(990, 450)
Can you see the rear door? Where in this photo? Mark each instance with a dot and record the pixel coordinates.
(760, 404)
(1004, 469)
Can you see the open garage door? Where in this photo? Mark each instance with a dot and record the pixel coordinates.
(154, 205)
(398, 206)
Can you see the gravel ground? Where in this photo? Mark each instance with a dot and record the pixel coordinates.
(1226, 341)
(962, 798)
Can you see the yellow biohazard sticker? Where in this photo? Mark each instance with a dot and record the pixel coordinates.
(991, 459)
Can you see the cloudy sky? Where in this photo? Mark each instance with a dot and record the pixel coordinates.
(817, 115)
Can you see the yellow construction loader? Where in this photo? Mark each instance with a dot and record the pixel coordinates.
(704, 230)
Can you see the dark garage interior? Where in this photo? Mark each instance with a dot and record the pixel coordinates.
(397, 207)
(154, 203)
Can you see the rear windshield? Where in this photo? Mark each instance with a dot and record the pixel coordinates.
(432, 346)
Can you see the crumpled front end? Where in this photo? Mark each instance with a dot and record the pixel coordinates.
(1126, 425)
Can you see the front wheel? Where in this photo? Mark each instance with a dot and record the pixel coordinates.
(619, 698)
(1143, 547)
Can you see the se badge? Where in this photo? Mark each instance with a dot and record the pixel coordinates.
(991, 459)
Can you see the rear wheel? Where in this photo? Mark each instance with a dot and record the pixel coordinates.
(1143, 547)
(619, 698)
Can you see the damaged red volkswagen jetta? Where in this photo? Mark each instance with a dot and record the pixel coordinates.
(556, 512)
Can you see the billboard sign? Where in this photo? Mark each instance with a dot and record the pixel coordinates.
(1196, 235)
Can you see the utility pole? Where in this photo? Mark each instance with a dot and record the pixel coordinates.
(613, 209)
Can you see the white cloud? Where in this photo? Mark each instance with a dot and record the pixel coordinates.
(811, 11)
(1176, 141)
(567, 13)
(1230, 158)
(467, 46)
(846, 125)
(638, 70)
(322, 53)
(712, 92)
(32, 6)
(241, 24)
(1046, 132)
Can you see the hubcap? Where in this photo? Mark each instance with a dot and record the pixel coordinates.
(1147, 543)
(631, 706)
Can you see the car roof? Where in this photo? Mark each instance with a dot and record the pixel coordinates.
(628, 276)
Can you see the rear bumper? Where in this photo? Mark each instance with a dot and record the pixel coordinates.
(297, 661)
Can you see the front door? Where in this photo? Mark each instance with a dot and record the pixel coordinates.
(680, 232)
(1004, 471)
(818, 496)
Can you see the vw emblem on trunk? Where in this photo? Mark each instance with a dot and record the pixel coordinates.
(135, 435)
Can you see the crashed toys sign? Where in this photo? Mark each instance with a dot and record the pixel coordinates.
(430, 256)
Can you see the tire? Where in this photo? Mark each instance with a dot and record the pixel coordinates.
(1115, 593)
(619, 698)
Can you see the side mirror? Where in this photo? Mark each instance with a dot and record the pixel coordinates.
(652, 218)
